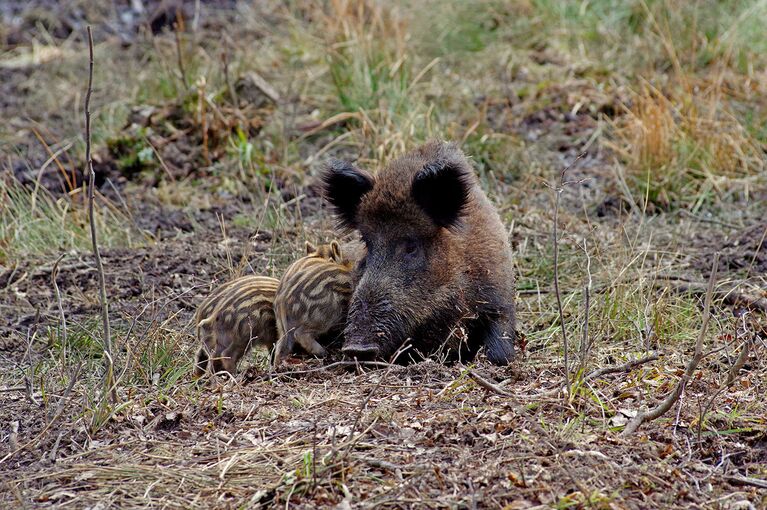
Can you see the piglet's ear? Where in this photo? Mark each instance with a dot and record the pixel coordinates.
(344, 186)
(441, 189)
(310, 248)
(335, 249)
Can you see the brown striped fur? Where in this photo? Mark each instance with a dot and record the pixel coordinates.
(312, 299)
(233, 318)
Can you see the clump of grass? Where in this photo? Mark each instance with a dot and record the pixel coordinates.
(33, 222)
(158, 360)
(454, 29)
(683, 148)
(132, 152)
(367, 63)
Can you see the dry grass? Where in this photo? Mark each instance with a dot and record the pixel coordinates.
(685, 150)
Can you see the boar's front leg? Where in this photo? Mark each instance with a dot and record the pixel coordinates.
(494, 330)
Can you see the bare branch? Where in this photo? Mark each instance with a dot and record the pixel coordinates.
(556, 291)
(565, 345)
(109, 386)
(673, 397)
(744, 480)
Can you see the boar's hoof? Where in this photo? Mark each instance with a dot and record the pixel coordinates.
(363, 352)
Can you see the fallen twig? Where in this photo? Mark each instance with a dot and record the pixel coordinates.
(378, 463)
(271, 375)
(626, 367)
(13, 388)
(744, 480)
(672, 397)
(728, 295)
(484, 383)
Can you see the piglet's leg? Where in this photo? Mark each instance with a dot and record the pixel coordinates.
(306, 340)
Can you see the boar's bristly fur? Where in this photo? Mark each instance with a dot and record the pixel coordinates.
(438, 266)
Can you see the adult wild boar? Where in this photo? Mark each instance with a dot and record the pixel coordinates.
(438, 269)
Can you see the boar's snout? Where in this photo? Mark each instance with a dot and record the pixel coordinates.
(373, 327)
(360, 349)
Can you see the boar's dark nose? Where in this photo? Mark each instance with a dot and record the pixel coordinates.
(360, 351)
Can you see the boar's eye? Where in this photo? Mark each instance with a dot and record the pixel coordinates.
(411, 248)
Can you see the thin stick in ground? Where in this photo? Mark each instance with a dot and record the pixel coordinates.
(556, 291)
(62, 317)
(626, 367)
(558, 194)
(178, 27)
(692, 365)
(109, 386)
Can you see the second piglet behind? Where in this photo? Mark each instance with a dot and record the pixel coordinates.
(312, 300)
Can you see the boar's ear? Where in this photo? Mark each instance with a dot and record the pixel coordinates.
(309, 248)
(441, 189)
(343, 186)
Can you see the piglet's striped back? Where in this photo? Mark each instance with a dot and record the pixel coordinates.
(234, 317)
(312, 299)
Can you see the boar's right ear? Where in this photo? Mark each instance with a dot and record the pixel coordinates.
(310, 248)
(441, 189)
(344, 186)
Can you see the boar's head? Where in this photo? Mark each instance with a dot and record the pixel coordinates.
(411, 218)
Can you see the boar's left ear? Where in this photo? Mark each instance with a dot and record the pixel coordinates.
(343, 186)
(441, 189)
(309, 247)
